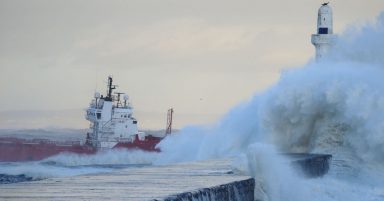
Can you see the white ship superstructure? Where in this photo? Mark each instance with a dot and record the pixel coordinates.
(111, 119)
(112, 126)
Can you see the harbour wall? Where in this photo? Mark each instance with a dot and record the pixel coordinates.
(234, 191)
(204, 180)
(309, 165)
(211, 180)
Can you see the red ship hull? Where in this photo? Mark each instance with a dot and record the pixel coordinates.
(16, 149)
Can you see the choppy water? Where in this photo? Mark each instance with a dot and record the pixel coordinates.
(71, 165)
(67, 164)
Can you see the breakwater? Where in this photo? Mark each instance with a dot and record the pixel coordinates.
(211, 180)
(234, 191)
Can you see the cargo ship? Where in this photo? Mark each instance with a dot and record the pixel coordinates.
(112, 126)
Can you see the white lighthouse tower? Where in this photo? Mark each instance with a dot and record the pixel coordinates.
(324, 39)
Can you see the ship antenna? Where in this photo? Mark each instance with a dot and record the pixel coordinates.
(118, 99)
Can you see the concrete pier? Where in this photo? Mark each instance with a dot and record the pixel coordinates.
(206, 180)
(211, 180)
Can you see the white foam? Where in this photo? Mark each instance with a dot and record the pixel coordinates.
(335, 107)
(39, 170)
(69, 164)
(108, 157)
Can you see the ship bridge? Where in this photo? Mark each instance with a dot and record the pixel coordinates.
(111, 118)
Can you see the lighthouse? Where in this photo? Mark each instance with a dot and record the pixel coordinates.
(324, 39)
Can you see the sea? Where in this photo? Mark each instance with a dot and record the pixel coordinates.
(67, 164)
(333, 106)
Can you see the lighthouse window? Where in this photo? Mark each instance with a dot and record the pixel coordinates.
(323, 30)
(134, 122)
(98, 115)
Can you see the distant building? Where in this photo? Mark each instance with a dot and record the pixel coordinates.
(324, 38)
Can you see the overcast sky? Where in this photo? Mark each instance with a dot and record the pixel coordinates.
(200, 57)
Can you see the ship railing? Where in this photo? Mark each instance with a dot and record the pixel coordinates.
(129, 139)
(117, 139)
(54, 142)
(40, 141)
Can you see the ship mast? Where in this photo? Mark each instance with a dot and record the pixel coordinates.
(110, 89)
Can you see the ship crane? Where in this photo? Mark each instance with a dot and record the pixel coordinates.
(168, 130)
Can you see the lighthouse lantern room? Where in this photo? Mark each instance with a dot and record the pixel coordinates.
(324, 38)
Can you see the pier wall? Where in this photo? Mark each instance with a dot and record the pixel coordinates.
(234, 191)
(204, 180)
(211, 180)
(310, 165)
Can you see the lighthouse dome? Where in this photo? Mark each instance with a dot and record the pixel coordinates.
(324, 20)
(325, 9)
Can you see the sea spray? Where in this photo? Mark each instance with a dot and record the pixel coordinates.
(334, 107)
(307, 103)
(70, 164)
(229, 137)
(362, 43)
(274, 176)
(316, 100)
(107, 157)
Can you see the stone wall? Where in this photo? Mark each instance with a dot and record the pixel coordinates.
(234, 191)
